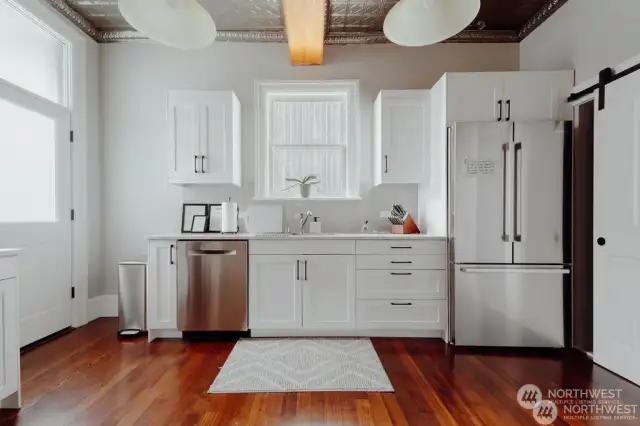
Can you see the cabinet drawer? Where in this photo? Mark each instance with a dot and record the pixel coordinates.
(394, 247)
(372, 284)
(401, 314)
(403, 262)
(8, 267)
(302, 247)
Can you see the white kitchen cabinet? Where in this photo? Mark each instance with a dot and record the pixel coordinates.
(275, 292)
(473, 96)
(401, 133)
(329, 292)
(9, 337)
(162, 286)
(507, 96)
(205, 139)
(537, 96)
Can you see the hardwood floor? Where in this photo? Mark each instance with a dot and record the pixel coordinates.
(88, 377)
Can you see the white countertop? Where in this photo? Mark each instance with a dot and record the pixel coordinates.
(9, 252)
(323, 236)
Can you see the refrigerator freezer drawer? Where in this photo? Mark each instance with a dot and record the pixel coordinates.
(511, 307)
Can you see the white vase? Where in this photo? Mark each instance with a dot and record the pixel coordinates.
(305, 190)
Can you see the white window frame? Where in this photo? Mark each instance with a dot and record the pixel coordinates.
(345, 88)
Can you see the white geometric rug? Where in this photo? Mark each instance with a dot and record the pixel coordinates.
(302, 365)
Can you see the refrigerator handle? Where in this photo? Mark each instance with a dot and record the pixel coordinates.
(517, 192)
(505, 153)
(538, 271)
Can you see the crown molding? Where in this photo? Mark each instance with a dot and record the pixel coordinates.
(543, 14)
(76, 18)
(466, 36)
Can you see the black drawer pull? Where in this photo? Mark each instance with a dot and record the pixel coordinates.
(401, 304)
(401, 273)
(395, 262)
(401, 247)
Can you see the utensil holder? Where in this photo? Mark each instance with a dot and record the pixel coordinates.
(409, 227)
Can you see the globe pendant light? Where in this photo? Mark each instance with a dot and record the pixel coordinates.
(183, 24)
(424, 22)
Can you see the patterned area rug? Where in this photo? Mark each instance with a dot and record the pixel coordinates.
(302, 365)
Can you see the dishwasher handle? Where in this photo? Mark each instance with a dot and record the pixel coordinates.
(211, 252)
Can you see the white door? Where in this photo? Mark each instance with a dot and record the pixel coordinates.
(538, 194)
(329, 292)
(482, 181)
(405, 132)
(617, 229)
(536, 96)
(216, 143)
(474, 97)
(9, 354)
(183, 116)
(35, 194)
(162, 286)
(275, 297)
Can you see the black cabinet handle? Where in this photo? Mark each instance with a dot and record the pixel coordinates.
(401, 273)
(402, 247)
(401, 304)
(601, 241)
(395, 262)
(171, 261)
(508, 110)
(500, 106)
(306, 268)
(195, 164)
(202, 164)
(297, 270)
(386, 164)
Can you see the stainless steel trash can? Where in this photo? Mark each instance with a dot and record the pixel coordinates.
(132, 298)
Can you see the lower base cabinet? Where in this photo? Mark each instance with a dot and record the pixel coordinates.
(402, 314)
(9, 336)
(301, 292)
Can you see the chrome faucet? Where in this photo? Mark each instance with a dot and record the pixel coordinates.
(304, 218)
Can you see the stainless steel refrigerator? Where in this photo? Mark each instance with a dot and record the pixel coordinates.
(509, 229)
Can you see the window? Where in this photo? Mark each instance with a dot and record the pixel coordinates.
(307, 128)
(30, 56)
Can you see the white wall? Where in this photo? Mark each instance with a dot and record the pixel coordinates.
(585, 35)
(135, 77)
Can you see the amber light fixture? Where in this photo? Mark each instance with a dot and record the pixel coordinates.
(304, 23)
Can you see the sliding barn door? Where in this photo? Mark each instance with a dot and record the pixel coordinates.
(617, 229)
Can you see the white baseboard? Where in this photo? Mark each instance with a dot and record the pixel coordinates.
(102, 306)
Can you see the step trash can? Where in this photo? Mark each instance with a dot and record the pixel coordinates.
(132, 298)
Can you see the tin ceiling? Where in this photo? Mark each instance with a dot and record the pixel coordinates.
(348, 21)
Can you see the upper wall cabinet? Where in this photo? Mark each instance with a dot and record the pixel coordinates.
(401, 132)
(508, 96)
(204, 138)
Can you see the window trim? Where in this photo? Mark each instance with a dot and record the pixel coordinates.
(351, 89)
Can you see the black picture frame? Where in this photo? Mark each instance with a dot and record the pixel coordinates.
(189, 212)
(210, 209)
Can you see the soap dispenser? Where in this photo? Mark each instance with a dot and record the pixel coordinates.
(316, 226)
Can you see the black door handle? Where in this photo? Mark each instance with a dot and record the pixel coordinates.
(202, 164)
(508, 110)
(601, 241)
(195, 164)
(500, 105)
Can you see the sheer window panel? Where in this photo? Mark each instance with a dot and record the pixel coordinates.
(307, 123)
(327, 163)
(30, 56)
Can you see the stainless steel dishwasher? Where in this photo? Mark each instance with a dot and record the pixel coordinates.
(212, 285)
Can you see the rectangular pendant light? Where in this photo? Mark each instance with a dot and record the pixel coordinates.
(304, 22)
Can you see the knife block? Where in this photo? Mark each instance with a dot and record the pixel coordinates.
(409, 227)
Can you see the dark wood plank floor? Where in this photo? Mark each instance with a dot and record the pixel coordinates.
(88, 377)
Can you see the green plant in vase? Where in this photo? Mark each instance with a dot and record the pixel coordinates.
(304, 184)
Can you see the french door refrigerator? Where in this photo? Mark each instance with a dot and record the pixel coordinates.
(509, 228)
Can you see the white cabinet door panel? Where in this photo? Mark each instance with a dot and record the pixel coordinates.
(536, 96)
(162, 286)
(474, 97)
(329, 292)
(9, 344)
(402, 314)
(275, 298)
(398, 284)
